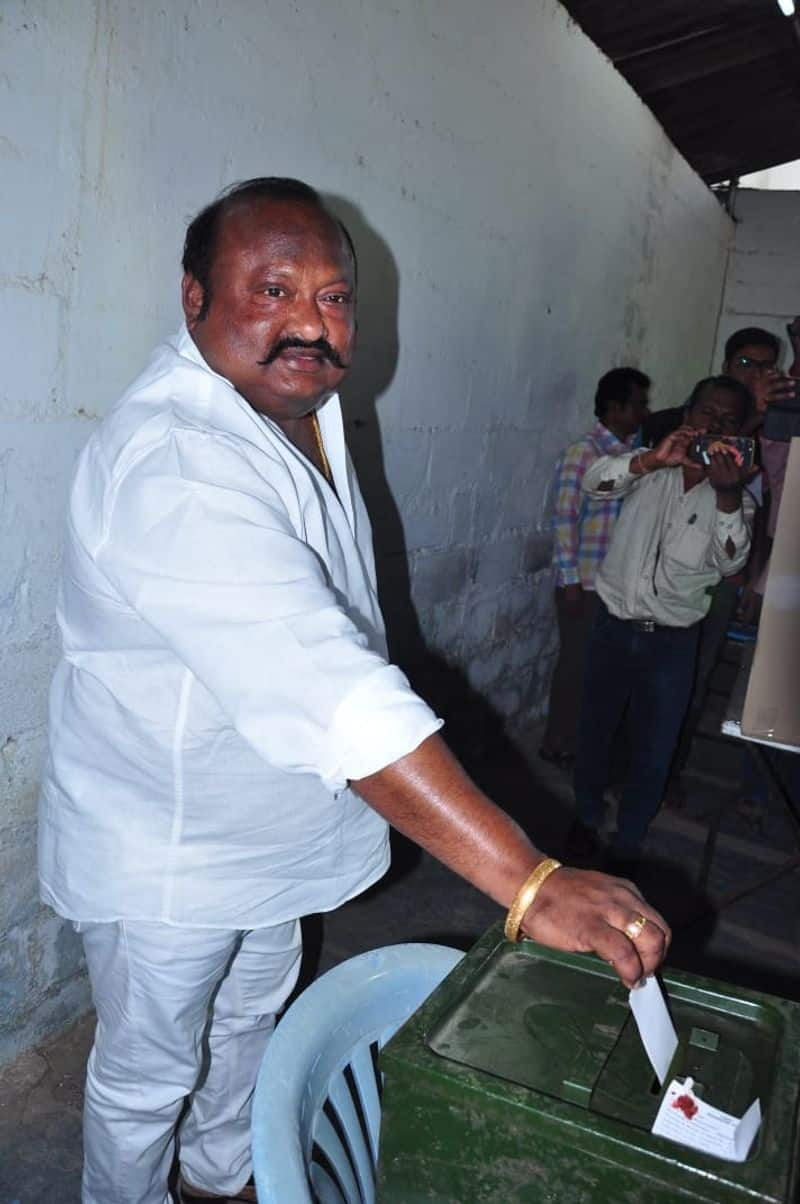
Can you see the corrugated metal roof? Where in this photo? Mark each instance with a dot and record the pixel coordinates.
(722, 76)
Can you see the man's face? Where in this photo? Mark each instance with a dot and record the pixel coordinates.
(634, 411)
(748, 364)
(716, 411)
(281, 322)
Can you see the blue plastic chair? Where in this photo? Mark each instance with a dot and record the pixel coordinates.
(316, 1109)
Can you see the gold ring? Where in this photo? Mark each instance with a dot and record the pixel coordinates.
(634, 928)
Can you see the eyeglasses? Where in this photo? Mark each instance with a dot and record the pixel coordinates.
(748, 362)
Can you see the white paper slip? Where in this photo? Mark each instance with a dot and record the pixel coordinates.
(684, 1118)
(655, 1026)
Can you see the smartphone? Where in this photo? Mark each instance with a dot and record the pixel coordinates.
(702, 446)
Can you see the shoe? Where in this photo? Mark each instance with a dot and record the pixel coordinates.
(194, 1195)
(583, 846)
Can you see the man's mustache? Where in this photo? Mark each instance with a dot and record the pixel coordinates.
(321, 345)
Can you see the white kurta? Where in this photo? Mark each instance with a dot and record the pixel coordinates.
(224, 668)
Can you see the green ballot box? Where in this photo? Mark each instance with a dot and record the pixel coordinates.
(523, 1080)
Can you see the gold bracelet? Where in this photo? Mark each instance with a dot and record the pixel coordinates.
(526, 894)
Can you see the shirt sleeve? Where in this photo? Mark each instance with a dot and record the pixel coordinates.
(566, 514)
(206, 552)
(738, 528)
(610, 477)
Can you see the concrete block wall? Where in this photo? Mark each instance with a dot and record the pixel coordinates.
(762, 284)
(523, 224)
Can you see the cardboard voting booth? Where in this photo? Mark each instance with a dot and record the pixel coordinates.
(524, 1078)
(772, 702)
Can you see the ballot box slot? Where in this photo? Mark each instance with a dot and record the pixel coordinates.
(565, 1030)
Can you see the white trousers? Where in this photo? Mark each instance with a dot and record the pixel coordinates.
(180, 1011)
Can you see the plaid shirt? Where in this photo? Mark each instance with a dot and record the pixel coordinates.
(582, 526)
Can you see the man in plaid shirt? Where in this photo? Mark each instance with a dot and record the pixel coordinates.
(582, 530)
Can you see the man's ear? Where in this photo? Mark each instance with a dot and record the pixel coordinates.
(192, 296)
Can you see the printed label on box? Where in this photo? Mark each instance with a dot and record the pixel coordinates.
(685, 1118)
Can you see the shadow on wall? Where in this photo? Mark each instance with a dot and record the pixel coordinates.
(475, 730)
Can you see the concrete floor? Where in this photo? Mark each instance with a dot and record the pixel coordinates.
(753, 942)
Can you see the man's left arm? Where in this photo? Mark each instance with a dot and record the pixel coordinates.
(566, 515)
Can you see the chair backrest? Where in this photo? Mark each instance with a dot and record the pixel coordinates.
(316, 1110)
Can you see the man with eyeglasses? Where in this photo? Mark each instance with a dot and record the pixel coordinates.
(751, 357)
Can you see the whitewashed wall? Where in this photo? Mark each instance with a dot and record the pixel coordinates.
(523, 222)
(762, 285)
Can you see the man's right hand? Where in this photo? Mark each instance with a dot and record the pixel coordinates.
(572, 599)
(581, 911)
(670, 452)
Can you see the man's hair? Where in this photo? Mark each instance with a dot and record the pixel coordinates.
(751, 336)
(617, 385)
(202, 233)
(741, 392)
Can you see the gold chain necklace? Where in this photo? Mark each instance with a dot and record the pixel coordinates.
(326, 468)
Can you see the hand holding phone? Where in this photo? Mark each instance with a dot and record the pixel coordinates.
(704, 448)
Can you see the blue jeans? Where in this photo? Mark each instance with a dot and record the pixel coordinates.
(651, 672)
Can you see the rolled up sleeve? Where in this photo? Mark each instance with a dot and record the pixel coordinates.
(218, 570)
(736, 527)
(610, 477)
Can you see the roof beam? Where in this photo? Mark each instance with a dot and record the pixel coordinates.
(722, 76)
(658, 71)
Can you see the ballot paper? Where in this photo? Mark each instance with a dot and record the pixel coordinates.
(685, 1118)
(655, 1026)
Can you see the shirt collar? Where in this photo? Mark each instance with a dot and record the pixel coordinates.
(186, 347)
(608, 442)
(329, 414)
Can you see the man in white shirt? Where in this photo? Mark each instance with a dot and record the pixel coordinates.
(227, 739)
(681, 529)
